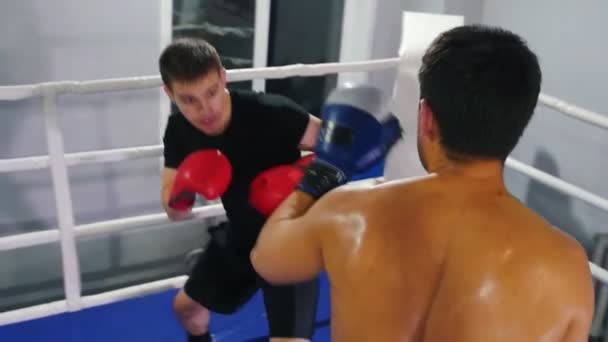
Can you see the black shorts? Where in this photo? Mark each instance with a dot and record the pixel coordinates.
(223, 280)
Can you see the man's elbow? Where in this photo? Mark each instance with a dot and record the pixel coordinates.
(265, 267)
(260, 262)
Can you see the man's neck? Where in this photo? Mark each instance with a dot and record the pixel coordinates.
(227, 108)
(489, 171)
(228, 103)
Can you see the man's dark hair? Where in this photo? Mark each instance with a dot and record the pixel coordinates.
(187, 59)
(482, 84)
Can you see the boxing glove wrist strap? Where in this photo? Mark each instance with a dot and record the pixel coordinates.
(321, 177)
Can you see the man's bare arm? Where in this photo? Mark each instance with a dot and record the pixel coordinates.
(309, 139)
(289, 249)
(582, 290)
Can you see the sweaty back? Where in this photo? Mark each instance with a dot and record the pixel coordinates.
(442, 260)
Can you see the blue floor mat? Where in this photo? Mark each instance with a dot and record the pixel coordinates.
(151, 318)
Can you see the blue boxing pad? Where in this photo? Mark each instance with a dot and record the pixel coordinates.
(351, 139)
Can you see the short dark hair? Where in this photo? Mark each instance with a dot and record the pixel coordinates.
(482, 84)
(187, 59)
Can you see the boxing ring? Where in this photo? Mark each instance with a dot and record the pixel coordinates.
(78, 311)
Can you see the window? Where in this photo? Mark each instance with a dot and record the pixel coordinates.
(226, 24)
(305, 32)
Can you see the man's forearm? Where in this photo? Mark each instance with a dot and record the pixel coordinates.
(165, 195)
(288, 247)
(174, 215)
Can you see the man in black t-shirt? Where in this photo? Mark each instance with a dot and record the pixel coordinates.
(255, 132)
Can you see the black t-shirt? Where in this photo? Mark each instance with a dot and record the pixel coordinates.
(264, 131)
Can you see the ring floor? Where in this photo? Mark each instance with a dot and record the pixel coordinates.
(150, 318)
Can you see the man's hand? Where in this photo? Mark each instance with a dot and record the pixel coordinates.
(207, 173)
(178, 215)
(167, 183)
(351, 139)
(271, 187)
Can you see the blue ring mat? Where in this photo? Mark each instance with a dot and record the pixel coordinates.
(151, 318)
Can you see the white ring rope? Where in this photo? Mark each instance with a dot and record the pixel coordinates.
(599, 273)
(82, 158)
(110, 226)
(558, 184)
(12, 93)
(574, 111)
(104, 227)
(40, 162)
(59, 164)
(59, 307)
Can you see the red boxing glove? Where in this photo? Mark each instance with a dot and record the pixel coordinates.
(271, 187)
(207, 173)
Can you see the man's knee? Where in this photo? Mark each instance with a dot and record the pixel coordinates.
(193, 316)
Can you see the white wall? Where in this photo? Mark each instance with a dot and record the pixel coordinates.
(82, 40)
(569, 39)
(387, 28)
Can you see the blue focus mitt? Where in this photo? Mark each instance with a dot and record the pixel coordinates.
(351, 138)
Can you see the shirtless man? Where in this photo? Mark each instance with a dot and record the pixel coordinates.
(451, 256)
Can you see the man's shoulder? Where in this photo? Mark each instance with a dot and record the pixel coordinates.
(177, 123)
(262, 99)
(245, 101)
(543, 247)
(355, 195)
(244, 94)
(376, 186)
(175, 118)
(179, 126)
(552, 238)
(560, 259)
(564, 244)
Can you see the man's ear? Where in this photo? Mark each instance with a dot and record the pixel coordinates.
(428, 124)
(223, 75)
(168, 92)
